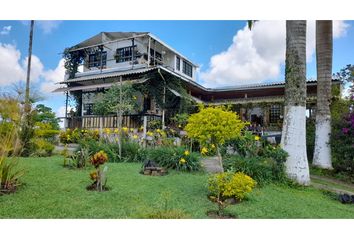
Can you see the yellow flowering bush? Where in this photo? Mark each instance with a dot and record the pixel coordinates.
(213, 126)
(230, 185)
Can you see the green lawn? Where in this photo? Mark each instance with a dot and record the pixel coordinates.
(51, 191)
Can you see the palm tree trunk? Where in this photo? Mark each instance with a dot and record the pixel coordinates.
(27, 95)
(324, 51)
(294, 127)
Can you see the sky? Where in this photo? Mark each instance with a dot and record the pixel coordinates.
(227, 52)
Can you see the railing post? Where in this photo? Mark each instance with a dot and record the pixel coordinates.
(101, 125)
(144, 131)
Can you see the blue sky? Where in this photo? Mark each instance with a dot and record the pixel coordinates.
(227, 53)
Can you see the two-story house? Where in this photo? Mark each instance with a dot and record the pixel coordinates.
(112, 57)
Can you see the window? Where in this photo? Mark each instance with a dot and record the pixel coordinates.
(158, 57)
(187, 68)
(125, 54)
(274, 114)
(178, 63)
(88, 109)
(95, 59)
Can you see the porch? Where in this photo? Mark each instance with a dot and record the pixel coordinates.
(110, 121)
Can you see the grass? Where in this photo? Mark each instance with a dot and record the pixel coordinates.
(51, 191)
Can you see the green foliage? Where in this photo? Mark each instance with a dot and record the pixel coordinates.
(42, 147)
(79, 159)
(74, 136)
(45, 115)
(342, 140)
(180, 120)
(72, 60)
(10, 173)
(109, 102)
(177, 158)
(214, 125)
(245, 145)
(131, 151)
(257, 158)
(230, 185)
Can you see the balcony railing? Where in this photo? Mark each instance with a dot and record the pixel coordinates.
(97, 122)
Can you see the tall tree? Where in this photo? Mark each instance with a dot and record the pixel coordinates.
(324, 52)
(27, 131)
(27, 96)
(294, 127)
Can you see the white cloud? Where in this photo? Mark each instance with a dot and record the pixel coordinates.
(53, 76)
(14, 69)
(340, 29)
(258, 55)
(48, 26)
(11, 70)
(45, 25)
(5, 30)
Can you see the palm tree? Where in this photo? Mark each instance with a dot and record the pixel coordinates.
(27, 96)
(27, 131)
(324, 51)
(294, 127)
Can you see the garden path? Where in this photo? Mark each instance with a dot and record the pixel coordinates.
(332, 185)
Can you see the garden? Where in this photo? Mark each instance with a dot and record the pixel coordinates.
(152, 172)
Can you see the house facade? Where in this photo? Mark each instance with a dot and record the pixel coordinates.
(110, 58)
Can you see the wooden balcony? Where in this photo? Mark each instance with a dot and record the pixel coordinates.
(110, 121)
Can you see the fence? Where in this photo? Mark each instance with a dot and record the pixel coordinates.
(96, 122)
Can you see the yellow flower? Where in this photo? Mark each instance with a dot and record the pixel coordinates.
(158, 130)
(131, 129)
(141, 128)
(182, 161)
(125, 129)
(107, 130)
(186, 152)
(149, 134)
(116, 130)
(204, 150)
(257, 138)
(135, 137)
(212, 146)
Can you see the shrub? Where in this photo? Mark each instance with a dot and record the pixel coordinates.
(131, 151)
(342, 144)
(267, 167)
(98, 176)
(246, 145)
(42, 147)
(177, 158)
(214, 125)
(76, 135)
(230, 185)
(10, 173)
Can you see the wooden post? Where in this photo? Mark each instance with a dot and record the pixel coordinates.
(144, 131)
(163, 109)
(149, 46)
(66, 111)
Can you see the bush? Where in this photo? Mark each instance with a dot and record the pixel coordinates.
(177, 158)
(230, 185)
(42, 147)
(76, 135)
(265, 168)
(131, 151)
(342, 145)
